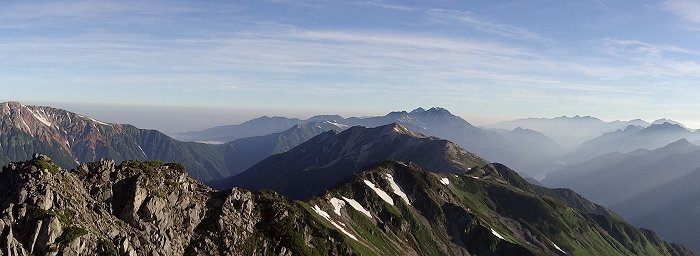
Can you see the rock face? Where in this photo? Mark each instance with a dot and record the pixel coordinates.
(144, 208)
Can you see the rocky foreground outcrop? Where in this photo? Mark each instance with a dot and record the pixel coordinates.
(143, 208)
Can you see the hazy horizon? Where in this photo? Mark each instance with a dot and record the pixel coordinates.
(173, 119)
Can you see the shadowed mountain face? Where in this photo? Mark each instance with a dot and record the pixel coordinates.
(614, 177)
(331, 157)
(68, 137)
(390, 209)
(651, 188)
(671, 209)
(243, 153)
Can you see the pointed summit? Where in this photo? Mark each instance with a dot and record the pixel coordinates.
(665, 120)
(438, 110)
(418, 110)
(665, 127)
(680, 145)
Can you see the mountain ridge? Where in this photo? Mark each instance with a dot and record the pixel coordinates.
(150, 207)
(345, 153)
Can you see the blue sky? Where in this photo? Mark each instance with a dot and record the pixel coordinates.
(483, 60)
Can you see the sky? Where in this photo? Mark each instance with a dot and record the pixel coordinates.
(187, 65)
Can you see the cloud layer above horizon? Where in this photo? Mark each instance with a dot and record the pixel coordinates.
(612, 59)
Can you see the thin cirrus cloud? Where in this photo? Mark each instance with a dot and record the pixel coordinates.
(483, 24)
(688, 10)
(294, 54)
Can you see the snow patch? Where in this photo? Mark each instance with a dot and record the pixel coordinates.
(357, 206)
(25, 125)
(213, 142)
(557, 247)
(497, 234)
(474, 177)
(339, 125)
(41, 118)
(397, 190)
(337, 205)
(445, 181)
(142, 152)
(326, 216)
(323, 213)
(99, 122)
(380, 192)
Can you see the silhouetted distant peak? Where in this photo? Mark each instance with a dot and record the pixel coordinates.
(438, 110)
(520, 130)
(633, 128)
(578, 118)
(682, 143)
(325, 118)
(418, 110)
(665, 120)
(432, 112)
(397, 113)
(665, 127)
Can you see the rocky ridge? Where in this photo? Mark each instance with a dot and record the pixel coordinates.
(392, 208)
(143, 208)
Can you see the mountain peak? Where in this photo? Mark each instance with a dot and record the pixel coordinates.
(438, 110)
(12, 104)
(666, 127)
(325, 118)
(680, 145)
(669, 121)
(418, 110)
(681, 142)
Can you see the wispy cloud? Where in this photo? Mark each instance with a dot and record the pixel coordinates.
(689, 10)
(654, 60)
(483, 24)
(388, 6)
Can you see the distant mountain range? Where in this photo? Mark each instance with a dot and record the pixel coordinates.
(651, 188)
(517, 147)
(633, 138)
(569, 132)
(255, 127)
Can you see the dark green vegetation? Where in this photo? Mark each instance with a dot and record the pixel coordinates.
(459, 217)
